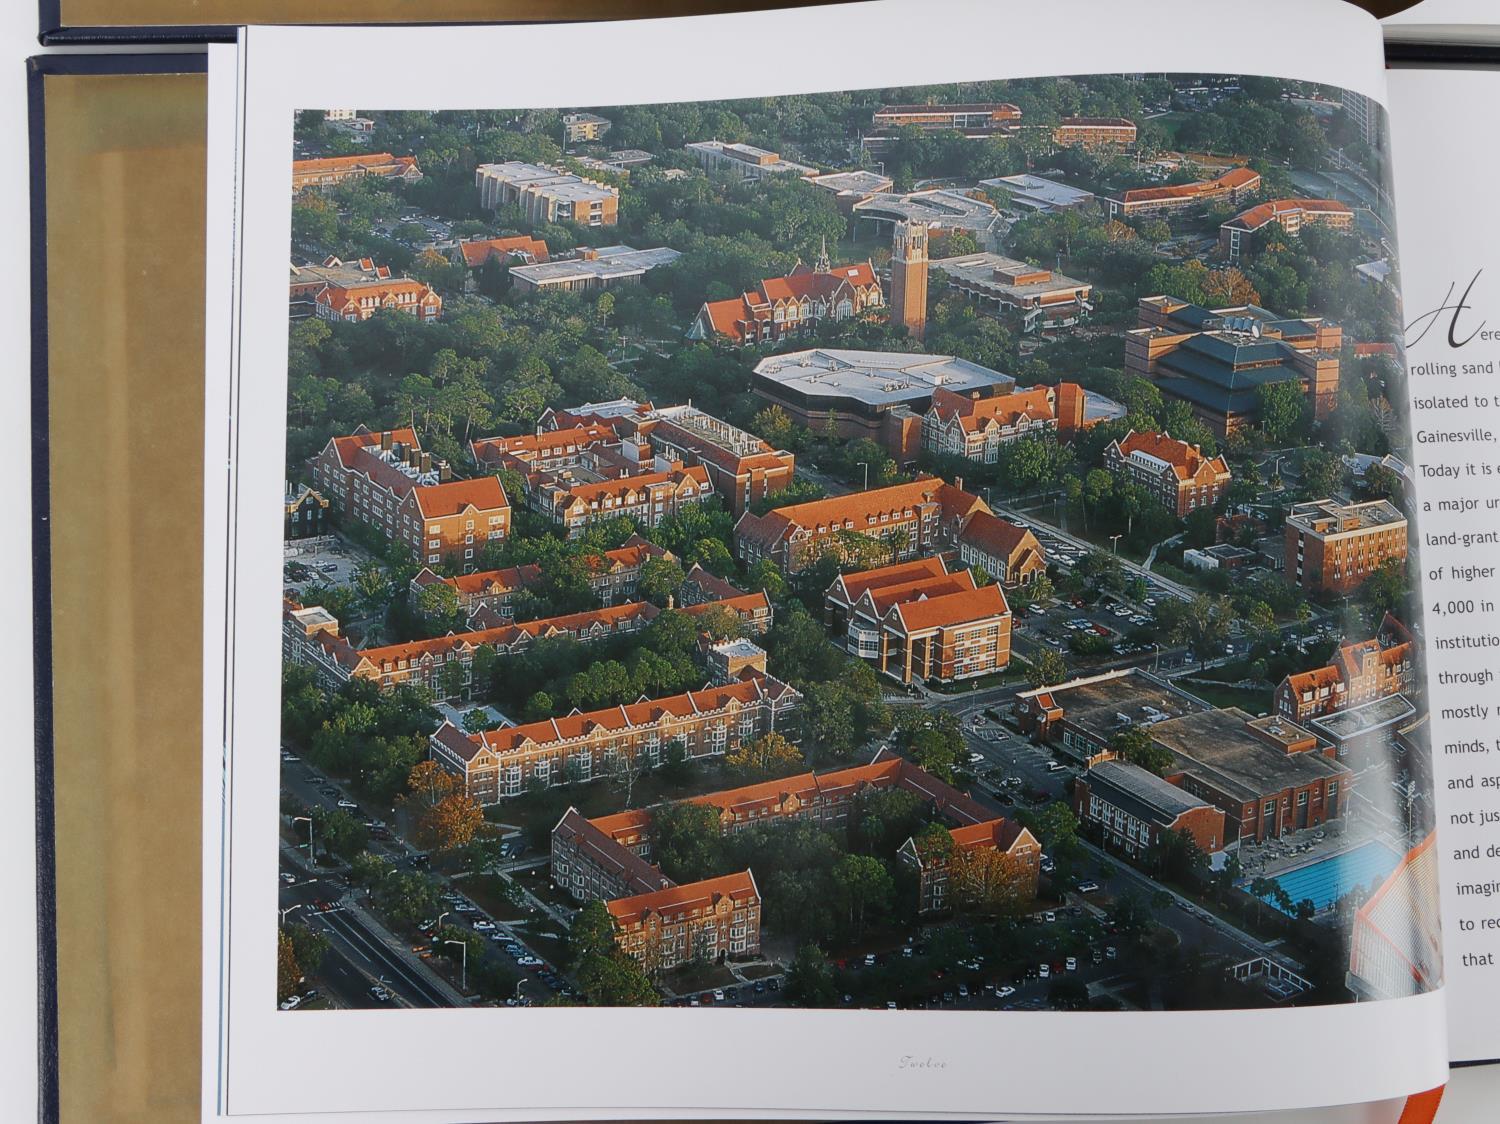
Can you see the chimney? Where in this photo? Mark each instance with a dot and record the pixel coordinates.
(385, 441)
(426, 463)
(445, 473)
(958, 482)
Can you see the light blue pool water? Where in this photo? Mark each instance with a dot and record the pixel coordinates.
(1327, 880)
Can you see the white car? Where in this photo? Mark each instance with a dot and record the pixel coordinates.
(975, 758)
(1088, 887)
(1071, 964)
(290, 1003)
(380, 994)
(1004, 992)
(483, 926)
(526, 960)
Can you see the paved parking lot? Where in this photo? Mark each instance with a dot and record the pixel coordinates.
(333, 564)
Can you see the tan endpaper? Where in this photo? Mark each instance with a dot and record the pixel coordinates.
(125, 167)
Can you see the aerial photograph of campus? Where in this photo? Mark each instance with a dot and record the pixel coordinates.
(916, 548)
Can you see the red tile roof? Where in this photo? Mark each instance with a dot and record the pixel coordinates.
(528, 447)
(1272, 210)
(523, 246)
(1034, 403)
(1185, 460)
(997, 537)
(948, 610)
(1235, 178)
(457, 496)
(854, 585)
(676, 902)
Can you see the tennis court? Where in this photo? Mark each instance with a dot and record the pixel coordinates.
(1327, 880)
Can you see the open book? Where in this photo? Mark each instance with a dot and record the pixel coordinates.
(884, 560)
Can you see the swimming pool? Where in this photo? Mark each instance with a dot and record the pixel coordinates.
(1327, 880)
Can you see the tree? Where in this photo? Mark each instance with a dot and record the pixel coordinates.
(341, 834)
(451, 822)
(810, 978)
(686, 841)
(768, 755)
(660, 580)
(288, 971)
(1046, 669)
(865, 886)
(1205, 625)
(1135, 745)
(1283, 406)
(1385, 590)
(428, 783)
(625, 769)
(607, 976)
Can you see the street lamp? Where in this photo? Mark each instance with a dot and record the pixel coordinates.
(866, 467)
(519, 982)
(286, 911)
(312, 855)
(1114, 543)
(463, 977)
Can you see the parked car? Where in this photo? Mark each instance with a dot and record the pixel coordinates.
(1088, 887)
(483, 926)
(1044, 971)
(1070, 964)
(290, 1003)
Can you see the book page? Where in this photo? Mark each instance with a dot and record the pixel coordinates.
(1451, 274)
(892, 568)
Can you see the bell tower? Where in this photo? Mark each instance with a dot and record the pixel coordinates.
(909, 277)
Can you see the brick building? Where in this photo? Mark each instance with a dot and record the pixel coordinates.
(1362, 672)
(327, 171)
(1081, 717)
(712, 920)
(1132, 809)
(360, 300)
(1177, 475)
(476, 253)
(444, 664)
(909, 519)
(944, 118)
(1291, 215)
(580, 128)
(1094, 133)
(451, 521)
(647, 498)
(610, 857)
(1011, 555)
(544, 451)
(958, 425)
(782, 307)
(1333, 547)
(909, 269)
(740, 467)
(1269, 776)
(915, 620)
(498, 764)
(1216, 360)
(1141, 202)
(546, 194)
(612, 576)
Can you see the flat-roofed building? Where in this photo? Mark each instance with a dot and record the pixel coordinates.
(604, 268)
(1133, 809)
(1216, 360)
(1142, 202)
(1177, 475)
(1037, 193)
(881, 395)
(957, 425)
(940, 118)
(1029, 297)
(325, 171)
(580, 128)
(850, 187)
(1269, 776)
(1082, 716)
(1094, 133)
(745, 160)
(909, 519)
(546, 194)
(1291, 215)
(498, 764)
(1334, 547)
(936, 208)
